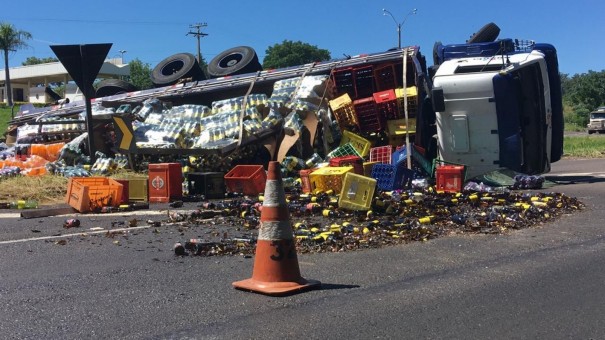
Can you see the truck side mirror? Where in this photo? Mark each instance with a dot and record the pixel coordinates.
(438, 100)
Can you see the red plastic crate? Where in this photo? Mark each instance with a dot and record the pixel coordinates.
(354, 161)
(358, 82)
(449, 178)
(246, 179)
(386, 77)
(381, 154)
(165, 182)
(368, 116)
(387, 104)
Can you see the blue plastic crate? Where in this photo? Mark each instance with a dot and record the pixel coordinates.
(392, 177)
(399, 157)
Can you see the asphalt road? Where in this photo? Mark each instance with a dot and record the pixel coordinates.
(542, 282)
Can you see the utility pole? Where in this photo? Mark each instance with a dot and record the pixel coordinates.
(198, 34)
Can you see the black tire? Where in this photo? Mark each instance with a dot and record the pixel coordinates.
(176, 67)
(436, 47)
(487, 33)
(237, 60)
(110, 87)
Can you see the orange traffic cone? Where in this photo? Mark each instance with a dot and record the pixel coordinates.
(276, 270)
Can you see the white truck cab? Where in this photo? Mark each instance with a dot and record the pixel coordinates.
(494, 112)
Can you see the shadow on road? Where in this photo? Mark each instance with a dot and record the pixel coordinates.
(563, 180)
(330, 286)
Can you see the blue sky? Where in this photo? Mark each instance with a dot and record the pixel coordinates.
(153, 30)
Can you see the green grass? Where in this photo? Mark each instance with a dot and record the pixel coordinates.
(588, 146)
(5, 117)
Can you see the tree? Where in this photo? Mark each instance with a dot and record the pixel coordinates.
(36, 61)
(140, 74)
(292, 53)
(11, 39)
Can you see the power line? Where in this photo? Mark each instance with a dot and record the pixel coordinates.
(125, 22)
(198, 34)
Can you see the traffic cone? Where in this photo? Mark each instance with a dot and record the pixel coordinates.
(276, 270)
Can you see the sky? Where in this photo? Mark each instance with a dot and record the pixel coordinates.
(153, 30)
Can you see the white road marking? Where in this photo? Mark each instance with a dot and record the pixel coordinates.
(593, 174)
(119, 213)
(86, 233)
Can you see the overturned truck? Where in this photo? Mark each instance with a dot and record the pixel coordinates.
(485, 105)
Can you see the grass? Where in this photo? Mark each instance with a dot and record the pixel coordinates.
(588, 146)
(5, 117)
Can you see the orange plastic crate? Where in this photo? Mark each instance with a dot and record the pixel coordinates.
(246, 179)
(93, 193)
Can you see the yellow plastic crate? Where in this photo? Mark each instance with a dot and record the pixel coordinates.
(396, 130)
(357, 192)
(344, 111)
(360, 144)
(328, 178)
(412, 93)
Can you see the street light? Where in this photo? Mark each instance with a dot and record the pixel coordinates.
(399, 25)
(122, 54)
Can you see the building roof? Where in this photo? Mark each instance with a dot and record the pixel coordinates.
(55, 72)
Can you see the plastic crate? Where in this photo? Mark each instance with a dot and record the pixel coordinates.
(399, 157)
(357, 192)
(360, 144)
(412, 93)
(387, 104)
(137, 189)
(92, 193)
(449, 178)
(381, 154)
(328, 178)
(367, 168)
(246, 179)
(355, 161)
(358, 82)
(388, 176)
(209, 184)
(344, 112)
(343, 150)
(305, 182)
(125, 195)
(396, 130)
(165, 182)
(386, 76)
(368, 117)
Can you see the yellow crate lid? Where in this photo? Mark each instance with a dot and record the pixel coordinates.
(341, 101)
(411, 91)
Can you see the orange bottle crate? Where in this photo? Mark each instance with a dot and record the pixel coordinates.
(449, 178)
(246, 179)
(92, 193)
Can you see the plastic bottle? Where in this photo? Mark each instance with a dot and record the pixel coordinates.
(23, 204)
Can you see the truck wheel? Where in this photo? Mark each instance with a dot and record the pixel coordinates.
(590, 132)
(176, 67)
(110, 87)
(237, 60)
(487, 33)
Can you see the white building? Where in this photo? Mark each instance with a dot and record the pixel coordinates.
(28, 82)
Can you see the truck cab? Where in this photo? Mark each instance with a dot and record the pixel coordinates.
(596, 121)
(498, 105)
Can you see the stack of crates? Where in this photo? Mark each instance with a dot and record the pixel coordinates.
(381, 154)
(358, 82)
(344, 112)
(357, 192)
(328, 178)
(369, 118)
(355, 161)
(360, 144)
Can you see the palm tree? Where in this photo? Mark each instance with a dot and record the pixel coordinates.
(11, 39)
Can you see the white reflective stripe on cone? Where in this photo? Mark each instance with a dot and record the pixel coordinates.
(275, 230)
(274, 194)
